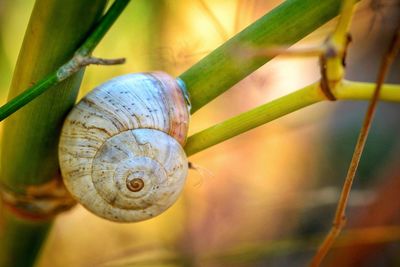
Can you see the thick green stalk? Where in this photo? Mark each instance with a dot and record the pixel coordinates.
(283, 26)
(26, 96)
(22, 241)
(29, 152)
(304, 97)
(69, 68)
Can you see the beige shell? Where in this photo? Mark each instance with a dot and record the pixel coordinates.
(121, 150)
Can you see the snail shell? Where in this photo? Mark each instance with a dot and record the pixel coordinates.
(120, 149)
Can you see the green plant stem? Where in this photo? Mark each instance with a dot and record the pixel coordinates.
(21, 237)
(25, 97)
(29, 145)
(72, 66)
(102, 27)
(304, 97)
(283, 26)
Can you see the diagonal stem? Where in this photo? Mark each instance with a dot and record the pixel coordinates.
(283, 26)
(340, 217)
(80, 59)
(309, 95)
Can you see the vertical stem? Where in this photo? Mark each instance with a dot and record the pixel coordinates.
(340, 214)
(343, 26)
(29, 152)
(21, 241)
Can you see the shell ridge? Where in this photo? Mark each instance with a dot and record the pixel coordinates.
(128, 128)
(163, 96)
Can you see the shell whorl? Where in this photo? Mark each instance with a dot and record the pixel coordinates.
(121, 150)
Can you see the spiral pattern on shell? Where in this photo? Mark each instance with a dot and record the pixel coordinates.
(120, 149)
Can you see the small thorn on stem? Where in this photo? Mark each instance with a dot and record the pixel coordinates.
(79, 61)
(102, 61)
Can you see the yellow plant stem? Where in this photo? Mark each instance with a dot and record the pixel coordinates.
(283, 26)
(339, 220)
(336, 45)
(311, 94)
(349, 90)
(339, 36)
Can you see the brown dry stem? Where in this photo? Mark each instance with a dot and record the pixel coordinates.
(38, 202)
(79, 61)
(340, 217)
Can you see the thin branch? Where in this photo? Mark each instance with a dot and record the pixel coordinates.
(283, 26)
(351, 90)
(78, 62)
(103, 26)
(340, 217)
(81, 59)
(253, 118)
(277, 108)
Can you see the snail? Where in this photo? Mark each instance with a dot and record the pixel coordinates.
(120, 150)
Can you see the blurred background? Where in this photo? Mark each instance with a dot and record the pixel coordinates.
(267, 197)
